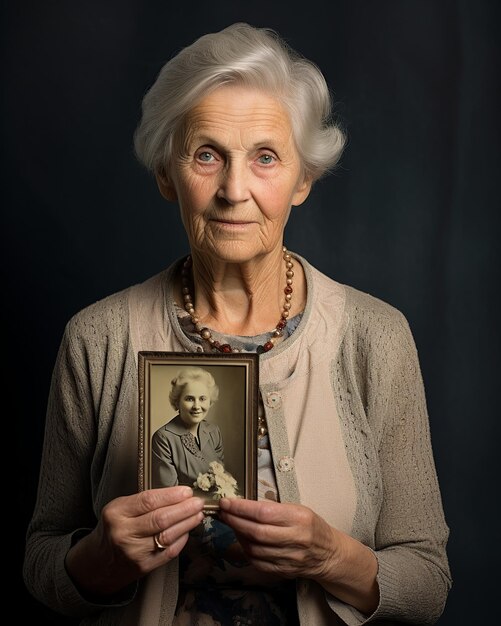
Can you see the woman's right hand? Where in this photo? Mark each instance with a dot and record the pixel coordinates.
(122, 548)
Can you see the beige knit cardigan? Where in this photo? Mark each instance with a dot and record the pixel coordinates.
(348, 428)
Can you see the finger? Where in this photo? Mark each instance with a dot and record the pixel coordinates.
(265, 512)
(140, 503)
(257, 532)
(152, 499)
(158, 520)
(151, 522)
(169, 536)
(170, 551)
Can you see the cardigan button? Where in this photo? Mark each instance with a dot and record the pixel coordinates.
(273, 400)
(285, 464)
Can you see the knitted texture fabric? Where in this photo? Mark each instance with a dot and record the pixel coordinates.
(90, 448)
(389, 394)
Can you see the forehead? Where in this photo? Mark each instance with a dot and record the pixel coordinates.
(239, 109)
(195, 388)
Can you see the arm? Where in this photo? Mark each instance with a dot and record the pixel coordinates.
(411, 534)
(218, 445)
(378, 378)
(163, 467)
(64, 500)
(61, 556)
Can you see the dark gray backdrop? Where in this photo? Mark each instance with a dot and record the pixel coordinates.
(411, 215)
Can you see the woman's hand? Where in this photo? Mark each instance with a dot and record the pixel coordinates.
(294, 542)
(122, 547)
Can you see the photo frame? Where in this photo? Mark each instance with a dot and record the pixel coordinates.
(186, 436)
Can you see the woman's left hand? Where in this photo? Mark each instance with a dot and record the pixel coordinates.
(292, 541)
(285, 539)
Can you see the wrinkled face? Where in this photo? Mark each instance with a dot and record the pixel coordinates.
(236, 174)
(194, 402)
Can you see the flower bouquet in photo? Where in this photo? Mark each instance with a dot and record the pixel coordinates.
(219, 480)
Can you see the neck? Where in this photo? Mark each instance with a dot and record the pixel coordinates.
(193, 428)
(244, 298)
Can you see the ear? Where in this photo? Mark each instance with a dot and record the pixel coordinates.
(302, 192)
(166, 187)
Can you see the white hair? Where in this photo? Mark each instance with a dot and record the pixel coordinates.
(187, 375)
(253, 57)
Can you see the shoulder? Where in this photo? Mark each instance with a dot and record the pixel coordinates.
(378, 339)
(355, 303)
(371, 312)
(369, 321)
(99, 333)
(165, 432)
(174, 427)
(211, 428)
(109, 312)
(109, 316)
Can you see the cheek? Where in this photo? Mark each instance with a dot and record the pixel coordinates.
(276, 199)
(276, 212)
(194, 203)
(194, 191)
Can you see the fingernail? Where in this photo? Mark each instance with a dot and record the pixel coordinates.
(224, 503)
(187, 491)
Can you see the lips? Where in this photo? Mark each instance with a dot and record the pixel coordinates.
(231, 222)
(233, 228)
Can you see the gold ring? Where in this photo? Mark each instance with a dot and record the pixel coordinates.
(156, 539)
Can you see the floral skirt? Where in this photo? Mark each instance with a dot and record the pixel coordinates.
(219, 587)
(236, 607)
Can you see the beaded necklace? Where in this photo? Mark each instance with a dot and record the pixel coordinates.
(206, 333)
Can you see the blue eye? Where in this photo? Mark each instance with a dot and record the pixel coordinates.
(206, 157)
(266, 159)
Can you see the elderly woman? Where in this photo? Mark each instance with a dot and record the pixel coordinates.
(236, 129)
(185, 446)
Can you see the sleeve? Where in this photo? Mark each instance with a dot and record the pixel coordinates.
(163, 466)
(63, 509)
(218, 446)
(379, 364)
(411, 533)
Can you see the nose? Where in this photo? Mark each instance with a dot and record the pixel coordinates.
(234, 182)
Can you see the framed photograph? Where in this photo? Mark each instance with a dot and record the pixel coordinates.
(198, 423)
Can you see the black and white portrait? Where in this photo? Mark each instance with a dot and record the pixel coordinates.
(195, 423)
